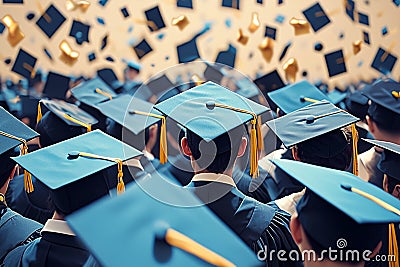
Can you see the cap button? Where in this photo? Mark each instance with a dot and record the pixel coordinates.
(302, 99)
(310, 119)
(210, 105)
(73, 155)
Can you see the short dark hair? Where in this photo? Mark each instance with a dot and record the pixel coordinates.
(6, 165)
(392, 182)
(138, 141)
(221, 151)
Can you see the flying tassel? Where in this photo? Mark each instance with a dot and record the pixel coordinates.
(121, 184)
(253, 150)
(28, 184)
(354, 137)
(163, 142)
(260, 139)
(39, 113)
(393, 246)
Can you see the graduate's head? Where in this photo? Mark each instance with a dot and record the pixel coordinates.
(7, 166)
(331, 150)
(340, 217)
(61, 122)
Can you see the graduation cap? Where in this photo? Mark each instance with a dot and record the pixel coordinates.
(270, 32)
(155, 19)
(357, 104)
(385, 103)
(110, 78)
(188, 51)
(268, 83)
(56, 85)
(212, 73)
(384, 61)
(350, 6)
(285, 50)
(50, 21)
(231, 3)
(335, 63)
(14, 133)
(125, 12)
(160, 85)
(316, 16)
(13, 1)
(366, 37)
(80, 31)
(347, 206)
(221, 111)
(81, 159)
(184, 3)
(24, 64)
(2, 27)
(363, 18)
(227, 57)
(133, 65)
(28, 107)
(295, 96)
(103, 2)
(93, 92)
(171, 235)
(142, 49)
(336, 96)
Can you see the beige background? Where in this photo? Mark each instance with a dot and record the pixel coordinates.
(381, 12)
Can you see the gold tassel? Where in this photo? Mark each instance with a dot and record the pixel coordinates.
(28, 184)
(39, 113)
(393, 246)
(121, 184)
(260, 139)
(163, 142)
(253, 149)
(354, 137)
(307, 99)
(87, 126)
(101, 92)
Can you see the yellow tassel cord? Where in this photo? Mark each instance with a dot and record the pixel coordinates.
(393, 246)
(39, 113)
(307, 99)
(163, 134)
(255, 131)
(87, 126)
(260, 139)
(354, 137)
(120, 185)
(396, 94)
(24, 150)
(181, 241)
(101, 92)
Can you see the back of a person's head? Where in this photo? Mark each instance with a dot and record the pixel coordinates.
(218, 155)
(331, 150)
(6, 165)
(138, 141)
(52, 130)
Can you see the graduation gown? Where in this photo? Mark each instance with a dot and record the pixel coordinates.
(179, 168)
(15, 230)
(368, 167)
(36, 205)
(57, 247)
(262, 227)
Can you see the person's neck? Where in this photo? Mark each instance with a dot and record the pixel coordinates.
(58, 216)
(328, 263)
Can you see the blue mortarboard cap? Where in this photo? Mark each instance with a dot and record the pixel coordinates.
(30, 16)
(280, 18)
(103, 2)
(50, 21)
(24, 64)
(133, 65)
(104, 42)
(384, 31)
(48, 54)
(28, 106)
(227, 57)
(318, 46)
(88, 93)
(350, 8)
(155, 19)
(109, 77)
(184, 3)
(231, 3)
(316, 16)
(13, 1)
(357, 104)
(160, 85)
(295, 96)
(186, 107)
(390, 158)
(142, 49)
(2, 27)
(91, 56)
(80, 31)
(11, 125)
(336, 96)
(363, 18)
(125, 12)
(332, 200)
(384, 61)
(213, 73)
(270, 32)
(268, 83)
(396, 2)
(101, 21)
(310, 122)
(366, 37)
(188, 51)
(335, 62)
(56, 85)
(146, 237)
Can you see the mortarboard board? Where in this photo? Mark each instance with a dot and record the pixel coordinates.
(81, 158)
(385, 103)
(188, 51)
(13, 1)
(384, 61)
(270, 32)
(91, 56)
(295, 96)
(70, 114)
(24, 64)
(184, 3)
(227, 57)
(2, 27)
(268, 83)
(285, 50)
(313, 121)
(366, 37)
(212, 73)
(133, 65)
(93, 92)
(142, 49)
(149, 239)
(221, 111)
(110, 78)
(347, 206)
(231, 3)
(103, 2)
(384, 31)
(155, 19)
(160, 85)
(363, 18)
(28, 107)
(335, 62)
(336, 96)
(350, 8)
(56, 85)
(80, 31)
(316, 16)
(357, 104)
(125, 12)
(50, 21)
